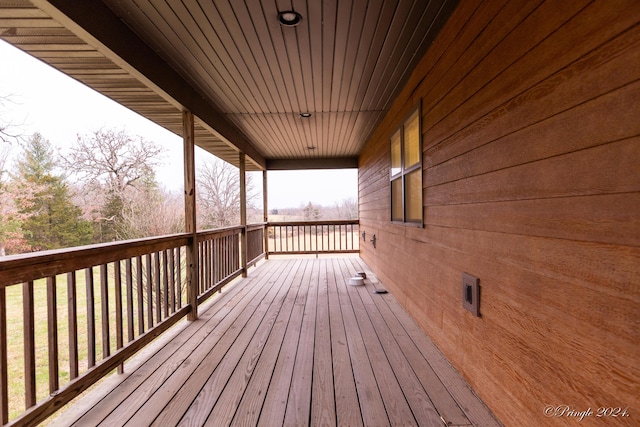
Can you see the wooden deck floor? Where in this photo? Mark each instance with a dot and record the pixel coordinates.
(292, 344)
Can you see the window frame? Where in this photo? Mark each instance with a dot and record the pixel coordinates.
(405, 172)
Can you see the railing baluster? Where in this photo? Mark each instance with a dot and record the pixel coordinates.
(104, 304)
(4, 381)
(225, 257)
(179, 275)
(148, 268)
(236, 252)
(165, 284)
(210, 264)
(223, 260)
(157, 280)
(226, 246)
(220, 264)
(227, 252)
(231, 268)
(324, 233)
(73, 324)
(140, 291)
(355, 232)
(226, 263)
(350, 228)
(118, 297)
(215, 263)
(29, 345)
(200, 255)
(52, 336)
(231, 247)
(129, 281)
(203, 265)
(217, 259)
(91, 318)
(172, 287)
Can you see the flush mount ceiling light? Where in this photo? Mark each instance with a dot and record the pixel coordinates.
(311, 147)
(289, 18)
(305, 115)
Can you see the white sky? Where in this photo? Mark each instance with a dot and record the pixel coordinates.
(46, 101)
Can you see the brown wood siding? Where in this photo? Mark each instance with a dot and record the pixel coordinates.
(531, 183)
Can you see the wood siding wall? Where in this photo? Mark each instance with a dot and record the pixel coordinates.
(531, 158)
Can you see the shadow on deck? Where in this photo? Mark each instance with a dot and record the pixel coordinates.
(292, 344)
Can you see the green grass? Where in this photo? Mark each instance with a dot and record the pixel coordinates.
(15, 332)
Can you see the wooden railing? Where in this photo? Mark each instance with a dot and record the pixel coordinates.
(255, 242)
(218, 259)
(69, 317)
(313, 237)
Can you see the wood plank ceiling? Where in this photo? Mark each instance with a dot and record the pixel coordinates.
(246, 77)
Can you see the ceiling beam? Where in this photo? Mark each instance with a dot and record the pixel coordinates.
(317, 163)
(97, 25)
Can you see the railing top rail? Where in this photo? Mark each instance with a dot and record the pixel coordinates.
(35, 265)
(256, 226)
(330, 222)
(31, 266)
(219, 232)
(227, 231)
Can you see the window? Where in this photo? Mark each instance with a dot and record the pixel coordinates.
(406, 171)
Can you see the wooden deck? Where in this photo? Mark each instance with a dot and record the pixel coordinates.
(292, 344)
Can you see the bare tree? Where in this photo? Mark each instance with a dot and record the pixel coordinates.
(5, 151)
(218, 193)
(153, 212)
(7, 135)
(115, 167)
(347, 209)
(311, 212)
(113, 160)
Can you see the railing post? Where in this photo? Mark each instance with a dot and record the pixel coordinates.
(190, 214)
(243, 214)
(265, 209)
(4, 351)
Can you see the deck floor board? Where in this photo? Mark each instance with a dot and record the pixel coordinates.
(292, 344)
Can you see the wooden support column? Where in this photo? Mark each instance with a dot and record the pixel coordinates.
(243, 213)
(190, 213)
(265, 209)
